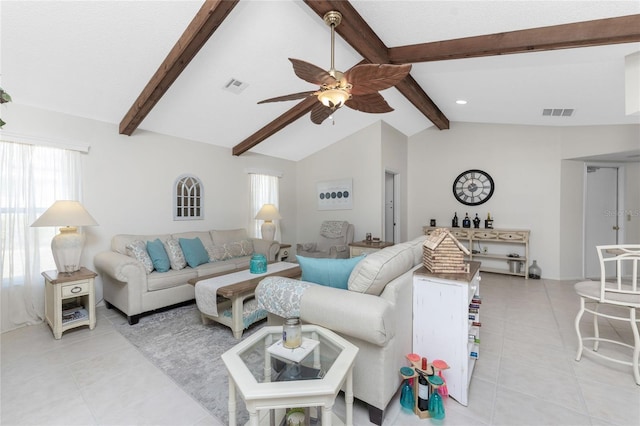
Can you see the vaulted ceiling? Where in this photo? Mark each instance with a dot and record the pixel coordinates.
(97, 59)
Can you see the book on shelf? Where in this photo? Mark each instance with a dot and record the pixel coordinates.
(74, 314)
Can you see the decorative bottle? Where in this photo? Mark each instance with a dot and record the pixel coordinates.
(476, 221)
(534, 271)
(466, 222)
(488, 223)
(423, 388)
(454, 221)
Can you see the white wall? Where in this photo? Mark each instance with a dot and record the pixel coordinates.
(357, 157)
(394, 159)
(533, 184)
(128, 180)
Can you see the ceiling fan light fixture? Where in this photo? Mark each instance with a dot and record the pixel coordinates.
(333, 98)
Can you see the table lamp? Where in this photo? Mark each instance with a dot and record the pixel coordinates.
(268, 213)
(67, 245)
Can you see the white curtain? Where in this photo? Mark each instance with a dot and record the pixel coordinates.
(31, 178)
(264, 190)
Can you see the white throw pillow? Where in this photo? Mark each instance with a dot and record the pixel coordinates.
(374, 272)
(138, 250)
(174, 251)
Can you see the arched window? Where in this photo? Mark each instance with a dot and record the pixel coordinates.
(188, 198)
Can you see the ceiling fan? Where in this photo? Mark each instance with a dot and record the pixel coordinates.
(357, 88)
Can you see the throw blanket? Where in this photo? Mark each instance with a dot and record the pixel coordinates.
(281, 296)
(333, 228)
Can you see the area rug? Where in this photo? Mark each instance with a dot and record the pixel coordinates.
(189, 352)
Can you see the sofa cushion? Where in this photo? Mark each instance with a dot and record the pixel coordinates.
(119, 242)
(373, 273)
(330, 272)
(163, 280)
(220, 238)
(416, 244)
(174, 251)
(138, 250)
(204, 236)
(194, 251)
(215, 267)
(158, 255)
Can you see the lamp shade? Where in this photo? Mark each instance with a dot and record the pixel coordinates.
(65, 213)
(268, 212)
(67, 245)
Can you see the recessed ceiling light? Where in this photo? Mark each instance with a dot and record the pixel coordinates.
(461, 102)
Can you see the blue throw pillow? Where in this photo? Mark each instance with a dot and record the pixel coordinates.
(329, 272)
(158, 255)
(194, 251)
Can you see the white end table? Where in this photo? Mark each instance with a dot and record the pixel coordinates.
(260, 386)
(60, 287)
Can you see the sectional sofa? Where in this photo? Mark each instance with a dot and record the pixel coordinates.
(374, 313)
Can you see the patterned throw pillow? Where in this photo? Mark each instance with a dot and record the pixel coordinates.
(176, 258)
(247, 247)
(217, 253)
(240, 248)
(138, 250)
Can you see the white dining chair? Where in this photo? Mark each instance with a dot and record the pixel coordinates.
(621, 291)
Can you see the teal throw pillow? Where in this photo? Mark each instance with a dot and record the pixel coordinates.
(158, 255)
(194, 251)
(330, 272)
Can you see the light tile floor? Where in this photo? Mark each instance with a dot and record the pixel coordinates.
(526, 374)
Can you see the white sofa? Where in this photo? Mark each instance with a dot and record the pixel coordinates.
(133, 291)
(375, 314)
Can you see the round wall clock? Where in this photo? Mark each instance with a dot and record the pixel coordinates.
(473, 187)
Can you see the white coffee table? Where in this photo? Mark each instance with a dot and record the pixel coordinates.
(251, 373)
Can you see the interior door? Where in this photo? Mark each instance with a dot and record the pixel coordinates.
(601, 218)
(389, 209)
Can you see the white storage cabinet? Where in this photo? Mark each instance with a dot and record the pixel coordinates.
(443, 324)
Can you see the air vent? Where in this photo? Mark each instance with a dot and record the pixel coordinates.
(557, 112)
(235, 86)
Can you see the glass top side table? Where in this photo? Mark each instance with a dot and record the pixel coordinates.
(267, 381)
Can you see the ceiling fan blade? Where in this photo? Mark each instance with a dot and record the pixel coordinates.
(290, 97)
(371, 102)
(371, 78)
(311, 73)
(319, 113)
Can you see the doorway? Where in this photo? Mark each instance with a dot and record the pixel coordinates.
(601, 214)
(390, 211)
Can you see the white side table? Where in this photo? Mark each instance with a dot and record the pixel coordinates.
(283, 253)
(60, 288)
(251, 374)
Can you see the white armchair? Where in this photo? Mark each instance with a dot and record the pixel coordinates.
(335, 237)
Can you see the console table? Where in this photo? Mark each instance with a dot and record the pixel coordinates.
(493, 246)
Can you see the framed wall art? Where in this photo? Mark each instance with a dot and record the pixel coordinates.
(335, 195)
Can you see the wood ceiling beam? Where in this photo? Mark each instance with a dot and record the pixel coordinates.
(299, 110)
(204, 24)
(624, 29)
(355, 31)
